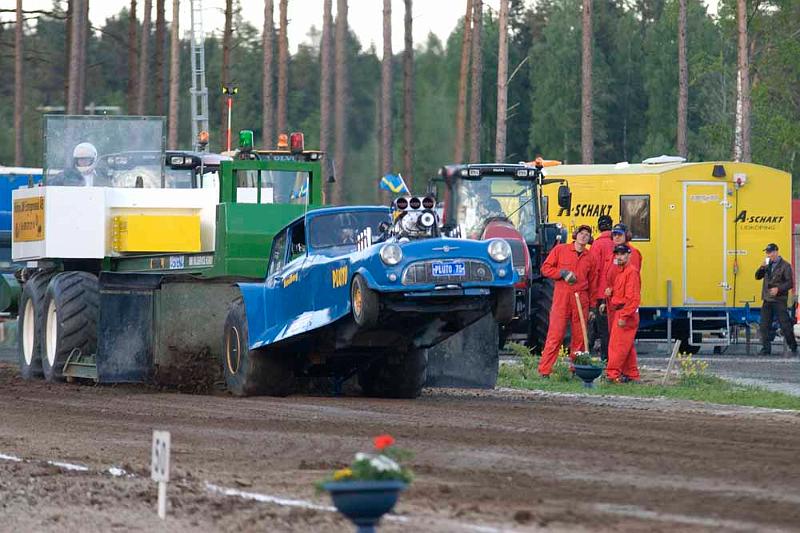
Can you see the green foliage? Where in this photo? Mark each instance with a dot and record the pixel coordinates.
(708, 389)
(586, 358)
(635, 81)
(385, 465)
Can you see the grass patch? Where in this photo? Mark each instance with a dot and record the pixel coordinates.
(694, 386)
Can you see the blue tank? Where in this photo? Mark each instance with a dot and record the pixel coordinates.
(12, 178)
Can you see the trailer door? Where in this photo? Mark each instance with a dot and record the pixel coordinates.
(704, 243)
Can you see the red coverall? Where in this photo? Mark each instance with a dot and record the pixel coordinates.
(603, 251)
(623, 304)
(565, 308)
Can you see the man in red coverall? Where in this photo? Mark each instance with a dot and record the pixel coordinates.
(624, 296)
(575, 272)
(621, 235)
(603, 251)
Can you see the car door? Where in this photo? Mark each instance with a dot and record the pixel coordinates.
(292, 297)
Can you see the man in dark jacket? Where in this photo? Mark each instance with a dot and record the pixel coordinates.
(778, 281)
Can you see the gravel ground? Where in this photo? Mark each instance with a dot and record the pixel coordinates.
(485, 461)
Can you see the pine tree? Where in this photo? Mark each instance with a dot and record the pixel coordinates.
(477, 78)
(340, 101)
(587, 133)
(144, 60)
(283, 68)
(133, 55)
(267, 108)
(502, 84)
(461, 110)
(174, 76)
(386, 92)
(408, 98)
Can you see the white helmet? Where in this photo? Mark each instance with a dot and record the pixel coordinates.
(84, 157)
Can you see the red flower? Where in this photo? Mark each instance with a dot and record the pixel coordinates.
(383, 441)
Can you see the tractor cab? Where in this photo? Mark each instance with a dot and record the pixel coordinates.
(497, 200)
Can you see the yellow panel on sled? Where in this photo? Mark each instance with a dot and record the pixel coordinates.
(156, 233)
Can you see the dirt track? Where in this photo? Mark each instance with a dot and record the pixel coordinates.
(503, 460)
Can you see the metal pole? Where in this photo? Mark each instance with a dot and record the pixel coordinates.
(669, 310)
(230, 108)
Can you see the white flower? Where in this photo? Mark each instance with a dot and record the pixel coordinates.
(363, 456)
(382, 463)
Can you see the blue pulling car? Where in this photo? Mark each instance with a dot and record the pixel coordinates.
(362, 290)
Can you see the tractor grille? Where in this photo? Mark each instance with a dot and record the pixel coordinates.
(517, 254)
(421, 272)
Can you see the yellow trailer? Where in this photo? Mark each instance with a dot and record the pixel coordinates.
(701, 228)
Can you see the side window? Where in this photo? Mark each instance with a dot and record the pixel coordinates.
(634, 210)
(297, 241)
(277, 257)
(546, 208)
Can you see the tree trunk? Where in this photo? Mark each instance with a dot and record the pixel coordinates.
(227, 37)
(408, 98)
(283, 68)
(74, 58)
(133, 51)
(19, 101)
(461, 110)
(477, 77)
(325, 88)
(144, 60)
(386, 94)
(267, 124)
(174, 75)
(82, 49)
(587, 133)
(159, 56)
(683, 82)
(340, 101)
(68, 52)
(502, 84)
(741, 148)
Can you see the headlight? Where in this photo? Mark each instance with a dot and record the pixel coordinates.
(499, 250)
(391, 254)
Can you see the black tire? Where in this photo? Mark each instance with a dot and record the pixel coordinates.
(395, 375)
(252, 372)
(540, 300)
(504, 305)
(364, 302)
(71, 309)
(30, 341)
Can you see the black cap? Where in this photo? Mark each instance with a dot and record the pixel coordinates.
(604, 223)
(622, 249)
(582, 227)
(619, 228)
(771, 247)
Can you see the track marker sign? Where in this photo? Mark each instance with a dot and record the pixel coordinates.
(159, 468)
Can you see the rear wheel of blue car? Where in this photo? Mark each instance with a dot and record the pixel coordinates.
(365, 302)
(252, 372)
(395, 375)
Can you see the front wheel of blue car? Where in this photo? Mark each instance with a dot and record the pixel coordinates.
(252, 372)
(395, 375)
(364, 302)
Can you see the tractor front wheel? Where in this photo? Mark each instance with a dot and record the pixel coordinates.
(71, 310)
(30, 325)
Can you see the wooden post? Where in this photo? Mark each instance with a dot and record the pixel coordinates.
(675, 348)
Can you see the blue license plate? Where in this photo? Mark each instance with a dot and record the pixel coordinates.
(448, 269)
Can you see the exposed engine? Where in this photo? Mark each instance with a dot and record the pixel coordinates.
(414, 218)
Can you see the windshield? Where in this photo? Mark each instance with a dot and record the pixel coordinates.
(477, 201)
(341, 229)
(277, 186)
(97, 151)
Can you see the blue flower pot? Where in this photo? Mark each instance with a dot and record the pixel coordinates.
(364, 502)
(588, 373)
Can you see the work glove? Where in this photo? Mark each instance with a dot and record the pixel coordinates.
(569, 277)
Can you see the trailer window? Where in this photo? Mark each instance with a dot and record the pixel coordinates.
(634, 211)
(277, 186)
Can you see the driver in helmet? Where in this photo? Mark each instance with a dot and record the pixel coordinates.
(83, 172)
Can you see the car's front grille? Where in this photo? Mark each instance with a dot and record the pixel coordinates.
(422, 272)
(517, 253)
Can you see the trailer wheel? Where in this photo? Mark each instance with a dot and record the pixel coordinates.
(70, 320)
(540, 300)
(395, 375)
(252, 372)
(30, 325)
(364, 301)
(504, 305)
